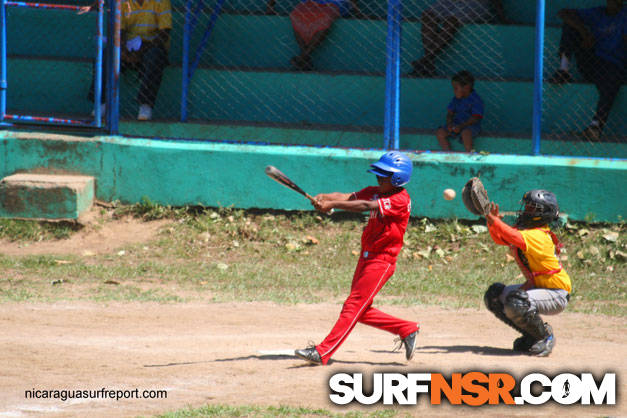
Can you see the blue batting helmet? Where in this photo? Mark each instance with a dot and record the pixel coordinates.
(393, 164)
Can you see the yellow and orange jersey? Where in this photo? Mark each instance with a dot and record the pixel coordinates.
(543, 261)
(146, 18)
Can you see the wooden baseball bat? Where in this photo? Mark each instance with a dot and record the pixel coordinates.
(278, 176)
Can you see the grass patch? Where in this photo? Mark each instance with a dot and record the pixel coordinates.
(24, 230)
(300, 257)
(271, 411)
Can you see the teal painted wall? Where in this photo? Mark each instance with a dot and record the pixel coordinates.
(220, 174)
(360, 139)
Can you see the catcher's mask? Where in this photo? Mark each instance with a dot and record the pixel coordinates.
(538, 207)
(393, 164)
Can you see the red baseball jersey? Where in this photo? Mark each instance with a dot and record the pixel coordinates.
(386, 226)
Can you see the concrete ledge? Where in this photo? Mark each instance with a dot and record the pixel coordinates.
(45, 196)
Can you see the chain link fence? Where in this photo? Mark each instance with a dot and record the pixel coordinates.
(583, 74)
(319, 67)
(50, 49)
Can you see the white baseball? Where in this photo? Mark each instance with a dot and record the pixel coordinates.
(449, 194)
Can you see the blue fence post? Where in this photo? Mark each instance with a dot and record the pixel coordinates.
(537, 81)
(113, 67)
(3, 65)
(185, 64)
(98, 69)
(392, 76)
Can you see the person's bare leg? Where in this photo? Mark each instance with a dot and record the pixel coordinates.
(442, 135)
(467, 139)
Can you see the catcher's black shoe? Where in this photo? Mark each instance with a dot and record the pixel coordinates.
(543, 347)
(309, 354)
(523, 344)
(409, 343)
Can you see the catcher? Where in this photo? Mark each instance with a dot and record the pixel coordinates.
(535, 248)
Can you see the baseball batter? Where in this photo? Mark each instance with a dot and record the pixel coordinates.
(547, 289)
(381, 241)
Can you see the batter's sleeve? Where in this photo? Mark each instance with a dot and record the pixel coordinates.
(395, 206)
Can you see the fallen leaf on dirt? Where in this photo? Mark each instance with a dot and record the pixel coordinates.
(425, 253)
(111, 282)
(484, 247)
(583, 232)
(621, 255)
(430, 228)
(509, 258)
(430, 267)
(310, 240)
(63, 261)
(292, 246)
(88, 253)
(611, 236)
(479, 229)
(440, 252)
(580, 255)
(594, 251)
(355, 252)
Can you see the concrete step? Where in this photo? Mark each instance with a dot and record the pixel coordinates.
(45, 196)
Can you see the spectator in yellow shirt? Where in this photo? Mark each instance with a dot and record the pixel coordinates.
(146, 26)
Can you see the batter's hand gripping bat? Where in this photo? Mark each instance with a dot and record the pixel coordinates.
(278, 176)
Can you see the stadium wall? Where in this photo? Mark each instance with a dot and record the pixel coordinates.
(220, 174)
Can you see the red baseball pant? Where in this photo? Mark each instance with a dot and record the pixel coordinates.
(370, 277)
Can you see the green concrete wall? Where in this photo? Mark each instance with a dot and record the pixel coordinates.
(221, 174)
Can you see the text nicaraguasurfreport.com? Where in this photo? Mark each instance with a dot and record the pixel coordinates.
(102, 393)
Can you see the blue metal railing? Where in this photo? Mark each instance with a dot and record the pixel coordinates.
(191, 18)
(537, 79)
(4, 117)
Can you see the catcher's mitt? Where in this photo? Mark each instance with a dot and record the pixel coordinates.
(475, 197)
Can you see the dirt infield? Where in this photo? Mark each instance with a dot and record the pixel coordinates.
(210, 354)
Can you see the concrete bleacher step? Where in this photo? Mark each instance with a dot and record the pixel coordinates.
(311, 98)
(45, 196)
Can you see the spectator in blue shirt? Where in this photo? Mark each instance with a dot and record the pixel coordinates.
(597, 39)
(465, 111)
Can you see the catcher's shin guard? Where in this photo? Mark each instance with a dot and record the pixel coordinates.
(527, 320)
(494, 305)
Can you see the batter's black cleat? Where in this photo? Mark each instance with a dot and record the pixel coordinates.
(409, 343)
(309, 354)
(544, 347)
(523, 344)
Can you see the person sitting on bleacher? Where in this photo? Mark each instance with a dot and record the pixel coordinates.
(146, 26)
(311, 22)
(442, 20)
(463, 114)
(597, 39)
